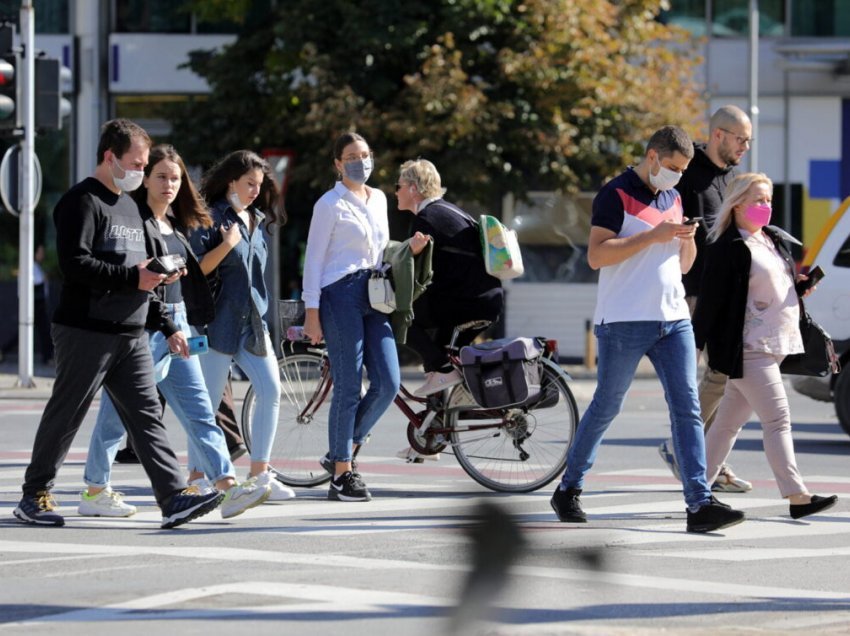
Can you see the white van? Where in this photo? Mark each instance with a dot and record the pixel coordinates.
(829, 305)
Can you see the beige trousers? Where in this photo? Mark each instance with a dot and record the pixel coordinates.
(760, 390)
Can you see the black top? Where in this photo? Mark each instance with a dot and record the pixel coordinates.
(702, 188)
(719, 314)
(200, 307)
(100, 238)
(173, 294)
(458, 261)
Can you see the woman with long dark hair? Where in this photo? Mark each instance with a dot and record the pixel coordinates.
(243, 199)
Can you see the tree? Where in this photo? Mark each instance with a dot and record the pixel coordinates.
(502, 95)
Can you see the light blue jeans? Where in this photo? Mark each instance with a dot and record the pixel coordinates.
(357, 336)
(186, 393)
(263, 373)
(671, 349)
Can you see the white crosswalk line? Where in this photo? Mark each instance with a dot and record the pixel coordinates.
(330, 561)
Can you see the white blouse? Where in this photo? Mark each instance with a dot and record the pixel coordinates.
(346, 235)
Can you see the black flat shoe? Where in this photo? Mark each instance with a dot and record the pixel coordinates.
(816, 505)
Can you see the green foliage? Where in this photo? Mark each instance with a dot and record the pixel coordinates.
(502, 95)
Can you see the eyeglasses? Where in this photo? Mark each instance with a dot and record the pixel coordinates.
(742, 141)
(357, 157)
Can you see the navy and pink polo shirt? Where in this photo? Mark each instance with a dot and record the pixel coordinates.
(647, 285)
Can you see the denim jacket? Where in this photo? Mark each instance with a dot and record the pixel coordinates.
(243, 298)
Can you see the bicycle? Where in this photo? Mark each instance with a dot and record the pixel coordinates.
(513, 449)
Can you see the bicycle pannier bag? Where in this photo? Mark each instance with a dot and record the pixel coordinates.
(502, 372)
(381, 292)
(502, 257)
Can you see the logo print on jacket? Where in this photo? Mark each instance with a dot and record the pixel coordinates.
(124, 232)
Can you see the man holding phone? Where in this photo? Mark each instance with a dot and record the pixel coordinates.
(702, 188)
(641, 247)
(98, 332)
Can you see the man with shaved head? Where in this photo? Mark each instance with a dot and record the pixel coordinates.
(702, 187)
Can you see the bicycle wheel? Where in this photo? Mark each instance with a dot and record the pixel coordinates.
(516, 449)
(302, 433)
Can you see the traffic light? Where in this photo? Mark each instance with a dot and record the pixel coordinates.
(9, 86)
(50, 106)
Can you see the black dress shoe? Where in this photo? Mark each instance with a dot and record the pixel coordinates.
(816, 505)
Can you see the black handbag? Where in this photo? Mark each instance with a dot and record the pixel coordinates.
(819, 358)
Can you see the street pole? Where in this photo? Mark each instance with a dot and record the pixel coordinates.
(26, 247)
(754, 83)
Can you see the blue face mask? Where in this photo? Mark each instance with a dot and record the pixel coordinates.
(358, 171)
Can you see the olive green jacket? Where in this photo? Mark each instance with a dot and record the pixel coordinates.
(410, 275)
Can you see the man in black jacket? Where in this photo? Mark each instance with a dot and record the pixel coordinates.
(99, 332)
(702, 188)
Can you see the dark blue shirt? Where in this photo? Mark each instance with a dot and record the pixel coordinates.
(243, 298)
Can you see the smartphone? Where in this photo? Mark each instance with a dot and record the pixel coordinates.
(692, 221)
(815, 275)
(168, 264)
(197, 345)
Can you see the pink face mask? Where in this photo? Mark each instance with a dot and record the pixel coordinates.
(758, 215)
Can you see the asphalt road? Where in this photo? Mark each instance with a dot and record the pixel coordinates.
(425, 557)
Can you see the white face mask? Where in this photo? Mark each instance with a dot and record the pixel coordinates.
(666, 179)
(131, 180)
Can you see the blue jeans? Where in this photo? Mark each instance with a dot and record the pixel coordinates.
(185, 392)
(357, 336)
(263, 373)
(670, 347)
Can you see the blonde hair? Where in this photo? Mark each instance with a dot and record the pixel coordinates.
(424, 174)
(735, 194)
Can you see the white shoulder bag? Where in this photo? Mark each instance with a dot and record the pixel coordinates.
(380, 286)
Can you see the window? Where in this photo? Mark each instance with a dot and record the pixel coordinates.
(51, 16)
(729, 18)
(552, 229)
(152, 16)
(175, 16)
(732, 18)
(688, 14)
(842, 258)
(826, 18)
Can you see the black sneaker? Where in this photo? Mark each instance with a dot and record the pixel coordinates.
(329, 466)
(714, 500)
(567, 505)
(713, 516)
(38, 510)
(349, 487)
(187, 505)
(126, 456)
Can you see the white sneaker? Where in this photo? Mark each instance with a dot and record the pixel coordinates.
(203, 486)
(414, 457)
(106, 503)
(279, 491)
(242, 496)
(438, 382)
